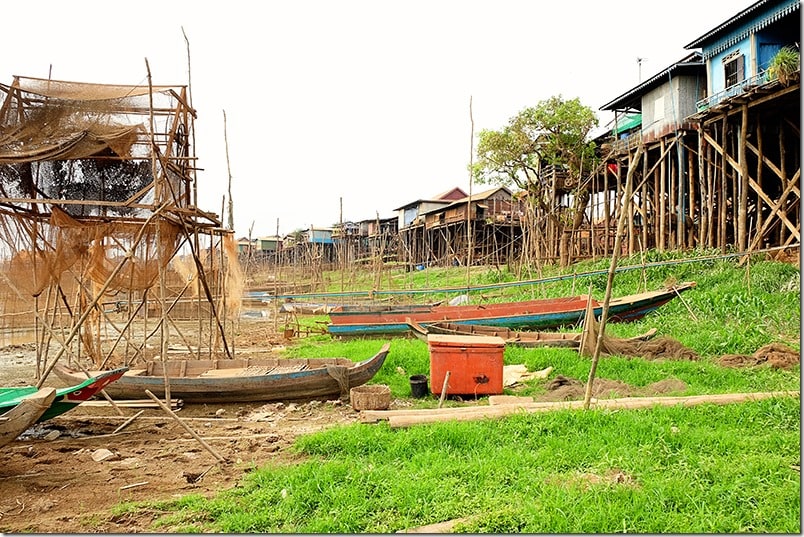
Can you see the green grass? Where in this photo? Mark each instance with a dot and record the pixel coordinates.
(704, 469)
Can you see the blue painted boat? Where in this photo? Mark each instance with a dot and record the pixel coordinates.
(524, 315)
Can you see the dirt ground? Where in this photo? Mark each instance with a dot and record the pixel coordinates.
(69, 483)
(69, 472)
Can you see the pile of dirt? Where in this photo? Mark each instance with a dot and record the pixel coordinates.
(775, 355)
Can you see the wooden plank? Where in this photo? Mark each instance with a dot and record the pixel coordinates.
(407, 418)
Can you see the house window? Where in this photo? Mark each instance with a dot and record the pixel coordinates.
(734, 68)
(658, 108)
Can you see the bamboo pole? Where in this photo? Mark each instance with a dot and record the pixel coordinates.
(185, 426)
(742, 191)
(164, 331)
(444, 389)
(102, 290)
(661, 237)
(46, 326)
(760, 168)
(469, 230)
(128, 422)
(723, 182)
(626, 199)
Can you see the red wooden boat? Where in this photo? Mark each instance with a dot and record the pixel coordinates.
(524, 315)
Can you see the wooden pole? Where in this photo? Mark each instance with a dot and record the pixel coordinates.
(164, 331)
(407, 418)
(101, 291)
(760, 158)
(185, 426)
(722, 198)
(444, 389)
(230, 220)
(469, 231)
(742, 194)
(661, 237)
(626, 199)
(128, 422)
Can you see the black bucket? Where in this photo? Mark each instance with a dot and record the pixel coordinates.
(418, 386)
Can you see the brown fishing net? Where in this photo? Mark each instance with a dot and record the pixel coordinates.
(661, 347)
(98, 226)
(776, 355)
(118, 145)
(93, 251)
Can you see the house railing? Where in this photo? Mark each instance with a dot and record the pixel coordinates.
(733, 90)
(624, 145)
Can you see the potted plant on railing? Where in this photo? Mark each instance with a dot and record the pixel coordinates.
(784, 65)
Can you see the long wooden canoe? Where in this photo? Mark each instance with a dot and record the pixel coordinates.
(66, 398)
(516, 338)
(243, 379)
(525, 315)
(520, 338)
(19, 418)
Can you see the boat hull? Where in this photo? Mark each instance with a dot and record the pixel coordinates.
(236, 380)
(17, 420)
(526, 315)
(515, 338)
(66, 399)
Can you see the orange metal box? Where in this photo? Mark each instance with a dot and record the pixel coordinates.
(475, 364)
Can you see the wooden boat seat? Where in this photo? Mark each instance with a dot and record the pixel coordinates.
(135, 372)
(251, 371)
(228, 372)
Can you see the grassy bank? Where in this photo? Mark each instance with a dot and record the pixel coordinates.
(698, 470)
(703, 469)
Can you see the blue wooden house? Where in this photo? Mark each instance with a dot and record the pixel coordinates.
(738, 52)
(715, 153)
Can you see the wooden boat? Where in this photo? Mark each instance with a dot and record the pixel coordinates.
(243, 379)
(517, 338)
(66, 398)
(20, 417)
(524, 315)
(511, 337)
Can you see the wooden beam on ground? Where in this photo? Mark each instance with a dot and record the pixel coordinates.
(407, 418)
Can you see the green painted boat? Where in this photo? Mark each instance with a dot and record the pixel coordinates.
(66, 398)
(19, 418)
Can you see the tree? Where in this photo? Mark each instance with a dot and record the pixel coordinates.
(552, 134)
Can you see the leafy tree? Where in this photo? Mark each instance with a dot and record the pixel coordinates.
(552, 133)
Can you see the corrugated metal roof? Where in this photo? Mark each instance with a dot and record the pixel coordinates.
(632, 99)
(475, 198)
(776, 9)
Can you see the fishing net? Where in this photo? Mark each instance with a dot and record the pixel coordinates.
(93, 251)
(662, 347)
(90, 142)
(97, 220)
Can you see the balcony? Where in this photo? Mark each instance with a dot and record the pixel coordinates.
(713, 100)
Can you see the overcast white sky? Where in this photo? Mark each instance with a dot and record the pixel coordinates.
(361, 100)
